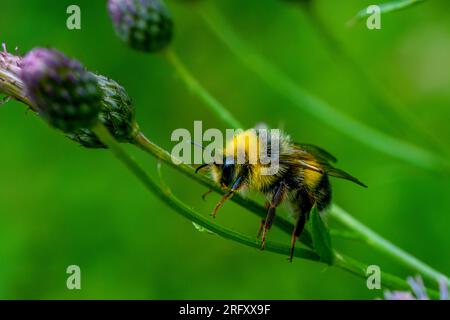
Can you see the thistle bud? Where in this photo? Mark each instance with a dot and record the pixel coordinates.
(146, 25)
(117, 114)
(62, 90)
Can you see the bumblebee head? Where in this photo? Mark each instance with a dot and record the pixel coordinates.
(227, 174)
(224, 173)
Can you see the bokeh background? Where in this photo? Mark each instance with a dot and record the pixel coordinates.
(61, 204)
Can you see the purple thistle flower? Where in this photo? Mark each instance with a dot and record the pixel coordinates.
(116, 110)
(61, 89)
(9, 61)
(418, 288)
(443, 289)
(418, 291)
(398, 295)
(145, 25)
(10, 83)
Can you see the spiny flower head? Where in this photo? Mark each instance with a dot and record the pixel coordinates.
(117, 114)
(146, 25)
(9, 61)
(10, 83)
(62, 90)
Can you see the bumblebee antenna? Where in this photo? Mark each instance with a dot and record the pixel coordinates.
(198, 145)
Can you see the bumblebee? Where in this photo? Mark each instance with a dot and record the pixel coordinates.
(301, 178)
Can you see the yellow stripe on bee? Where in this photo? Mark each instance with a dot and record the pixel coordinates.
(243, 144)
(260, 181)
(312, 178)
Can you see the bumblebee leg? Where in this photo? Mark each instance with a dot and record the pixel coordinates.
(277, 199)
(207, 193)
(263, 221)
(298, 229)
(261, 226)
(219, 204)
(268, 223)
(236, 186)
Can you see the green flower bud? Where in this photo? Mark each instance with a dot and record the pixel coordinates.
(145, 25)
(117, 114)
(62, 90)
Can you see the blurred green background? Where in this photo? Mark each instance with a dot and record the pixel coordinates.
(62, 205)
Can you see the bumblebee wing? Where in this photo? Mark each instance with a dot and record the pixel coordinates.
(302, 160)
(306, 160)
(316, 151)
(338, 173)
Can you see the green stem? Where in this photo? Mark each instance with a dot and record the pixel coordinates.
(347, 234)
(164, 194)
(192, 83)
(315, 106)
(386, 247)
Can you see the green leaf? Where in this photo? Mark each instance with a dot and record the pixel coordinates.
(321, 238)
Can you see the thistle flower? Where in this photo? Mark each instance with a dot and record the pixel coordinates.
(9, 61)
(145, 25)
(117, 114)
(10, 83)
(116, 111)
(418, 291)
(62, 90)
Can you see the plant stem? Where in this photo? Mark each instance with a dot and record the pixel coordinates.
(315, 106)
(165, 195)
(386, 247)
(192, 84)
